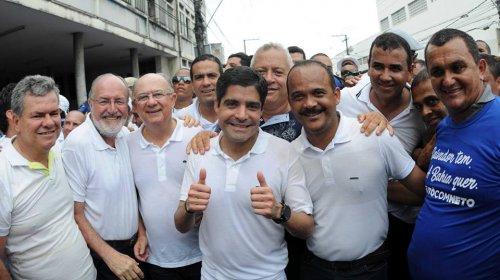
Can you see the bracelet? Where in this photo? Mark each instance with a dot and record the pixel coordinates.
(187, 208)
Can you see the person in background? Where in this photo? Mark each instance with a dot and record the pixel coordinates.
(183, 89)
(419, 66)
(325, 59)
(7, 130)
(205, 71)
(73, 120)
(483, 47)
(349, 70)
(492, 74)
(37, 228)
(432, 111)
(457, 231)
(296, 53)
(237, 59)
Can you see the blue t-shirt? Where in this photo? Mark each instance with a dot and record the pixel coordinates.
(457, 234)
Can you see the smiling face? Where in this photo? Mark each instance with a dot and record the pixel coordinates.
(455, 77)
(183, 89)
(313, 100)
(388, 71)
(239, 115)
(273, 65)
(39, 125)
(427, 103)
(72, 120)
(205, 76)
(153, 99)
(108, 105)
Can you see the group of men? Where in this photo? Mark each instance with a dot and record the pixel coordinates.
(119, 205)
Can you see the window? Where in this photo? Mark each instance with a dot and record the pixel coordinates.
(127, 1)
(140, 5)
(416, 7)
(183, 24)
(170, 18)
(384, 24)
(163, 12)
(399, 16)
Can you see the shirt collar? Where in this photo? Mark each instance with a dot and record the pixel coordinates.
(259, 147)
(16, 159)
(285, 117)
(176, 136)
(342, 135)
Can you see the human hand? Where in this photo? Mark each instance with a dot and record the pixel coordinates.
(190, 121)
(199, 194)
(263, 202)
(124, 267)
(200, 142)
(372, 121)
(141, 251)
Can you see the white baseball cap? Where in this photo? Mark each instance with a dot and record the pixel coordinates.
(63, 104)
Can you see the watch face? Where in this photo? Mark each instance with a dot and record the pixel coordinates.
(287, 212)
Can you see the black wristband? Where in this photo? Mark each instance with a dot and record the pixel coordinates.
(187, 208)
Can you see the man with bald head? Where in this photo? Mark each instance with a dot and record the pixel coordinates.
(159, 144)
(72, 120)
(97, 163)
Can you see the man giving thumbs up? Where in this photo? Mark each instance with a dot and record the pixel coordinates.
(249, 188)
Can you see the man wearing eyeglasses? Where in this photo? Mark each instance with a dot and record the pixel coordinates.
(97, 163)
(205, 71)
(159, 144)
(183, 89)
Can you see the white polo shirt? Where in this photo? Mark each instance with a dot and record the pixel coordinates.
(192, 110)
(158, 173)
(4, 141)
(235, 242)
(348, 186)
(408, 128)
(101, 176)
(36, 215)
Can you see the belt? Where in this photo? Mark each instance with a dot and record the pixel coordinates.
(379, 255)
(122, 243)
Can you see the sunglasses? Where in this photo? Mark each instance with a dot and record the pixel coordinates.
(177, 79)
(348, 73)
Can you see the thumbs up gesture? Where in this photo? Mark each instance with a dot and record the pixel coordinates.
(199, 194)
(263, 202)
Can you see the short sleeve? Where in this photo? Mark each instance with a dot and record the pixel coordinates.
(75, 172)
(6, 206)
(296, 193)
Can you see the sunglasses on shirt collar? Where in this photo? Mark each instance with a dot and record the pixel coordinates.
(177, 79)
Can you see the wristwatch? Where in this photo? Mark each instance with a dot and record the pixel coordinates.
(286, 212)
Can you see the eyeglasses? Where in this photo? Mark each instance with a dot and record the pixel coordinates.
(157, 95)
(177, 79)
(107, 102)
(348, 73)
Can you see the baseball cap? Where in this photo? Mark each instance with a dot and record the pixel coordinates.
(342, 62)
(63, 104)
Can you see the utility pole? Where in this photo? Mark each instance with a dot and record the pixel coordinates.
(345, 40)
(199, 27)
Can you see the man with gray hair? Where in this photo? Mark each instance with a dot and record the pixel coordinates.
(97, 163)
(37, 229)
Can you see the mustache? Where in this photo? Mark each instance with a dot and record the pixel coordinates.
(312, 111)
(109, 115)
